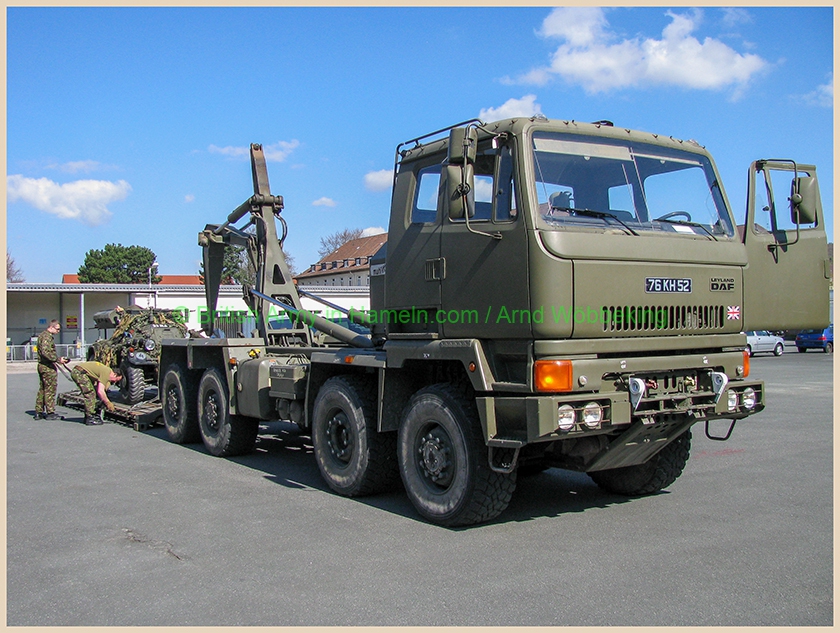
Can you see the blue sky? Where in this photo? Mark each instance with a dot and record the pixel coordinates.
(131, 125)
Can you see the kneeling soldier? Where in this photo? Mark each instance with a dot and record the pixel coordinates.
(94, 379)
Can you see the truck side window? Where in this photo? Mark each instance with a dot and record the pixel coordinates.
(772, 201)
(425, 206)
(494, 192)
(483, 197)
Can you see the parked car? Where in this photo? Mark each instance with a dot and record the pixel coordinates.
(816, 339)
(763, 341)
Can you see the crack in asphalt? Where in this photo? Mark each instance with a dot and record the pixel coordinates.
(136, 537)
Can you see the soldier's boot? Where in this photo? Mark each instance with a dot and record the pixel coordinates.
(39, 416)
(53, 416)
(93, 420)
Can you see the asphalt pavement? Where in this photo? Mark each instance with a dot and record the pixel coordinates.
(109, 526)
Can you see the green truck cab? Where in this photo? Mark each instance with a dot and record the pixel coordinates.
(552, 293)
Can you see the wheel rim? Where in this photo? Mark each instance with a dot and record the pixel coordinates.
(435, 458)
(211, 411)
(173, 402)
(340, 437)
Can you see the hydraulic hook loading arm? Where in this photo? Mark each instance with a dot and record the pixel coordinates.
(274, 284)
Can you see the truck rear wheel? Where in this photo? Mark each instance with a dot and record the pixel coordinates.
(353, 457)
(133, 384)
(444, 461)
(223, 434)
(655, 474)
(179, 406)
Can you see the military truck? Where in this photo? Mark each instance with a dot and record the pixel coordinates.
(134, 346)
(552, 294)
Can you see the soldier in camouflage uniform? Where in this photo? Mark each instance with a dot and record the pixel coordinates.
(93, 379)
(47, 373)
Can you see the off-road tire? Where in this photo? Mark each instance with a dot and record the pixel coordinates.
(223, 434)
(354, 458)
(658, 473)
(180, 407)
(133, 384)
(444, 460)
(779, 349)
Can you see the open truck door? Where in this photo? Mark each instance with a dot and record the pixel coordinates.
(786, 281)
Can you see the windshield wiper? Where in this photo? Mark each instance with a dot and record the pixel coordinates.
(690, 223)
(599, 214)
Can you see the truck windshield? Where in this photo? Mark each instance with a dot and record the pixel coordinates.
(627, 187)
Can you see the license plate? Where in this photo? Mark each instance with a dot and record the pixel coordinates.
(667, 284)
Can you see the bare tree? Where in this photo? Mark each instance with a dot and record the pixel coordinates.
(338, 239)
(14, 275)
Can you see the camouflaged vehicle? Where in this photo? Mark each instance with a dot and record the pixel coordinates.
(552, 294)
(134, 347)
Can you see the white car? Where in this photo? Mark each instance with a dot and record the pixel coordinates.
(763, 341)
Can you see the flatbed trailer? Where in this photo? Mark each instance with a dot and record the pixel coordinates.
(141, 416)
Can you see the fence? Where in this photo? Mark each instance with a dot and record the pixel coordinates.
(22, 353)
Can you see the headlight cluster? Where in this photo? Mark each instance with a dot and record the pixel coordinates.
(590, 415)
(746, 398)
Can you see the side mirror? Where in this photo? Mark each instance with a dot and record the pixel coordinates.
(459, 191)
(803, 200)
(462, 145)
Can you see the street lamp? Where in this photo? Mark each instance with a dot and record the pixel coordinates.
(149, 303)
(154, 265)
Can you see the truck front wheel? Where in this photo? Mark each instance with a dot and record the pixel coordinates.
(444, 461)
(655, 474)
(223, 434)
(354, 459)
(179, 406)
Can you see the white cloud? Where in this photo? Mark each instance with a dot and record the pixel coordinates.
(734, 17)
(230, 151)
(85, 200)
(596, 59)
(823, 95)
(580, 26)
(189, 198)
(379, 180)
(274, 153)
(74, 167)
(373, 230)
(324, 202)
(279, 151)
(524, 107)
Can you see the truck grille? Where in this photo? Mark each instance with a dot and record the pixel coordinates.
(661, 318)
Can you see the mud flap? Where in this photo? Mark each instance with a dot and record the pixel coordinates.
(640, 442)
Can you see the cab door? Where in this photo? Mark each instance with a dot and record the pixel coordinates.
(415, 267)
(485, 291)
(786, 280)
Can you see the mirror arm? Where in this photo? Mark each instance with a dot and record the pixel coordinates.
(464, 190)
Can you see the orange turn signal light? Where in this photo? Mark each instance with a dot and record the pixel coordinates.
(746, 364)
(553, 375)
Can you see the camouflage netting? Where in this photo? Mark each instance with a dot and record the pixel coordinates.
(130, 332)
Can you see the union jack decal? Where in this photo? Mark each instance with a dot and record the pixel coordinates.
(733, 312)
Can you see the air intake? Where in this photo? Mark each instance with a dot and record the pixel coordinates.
(662, 318)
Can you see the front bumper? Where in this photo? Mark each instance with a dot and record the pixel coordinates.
(534, 418)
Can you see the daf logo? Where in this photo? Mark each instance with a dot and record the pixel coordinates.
(722, 284)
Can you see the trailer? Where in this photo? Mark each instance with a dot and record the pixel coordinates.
(141, 416)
